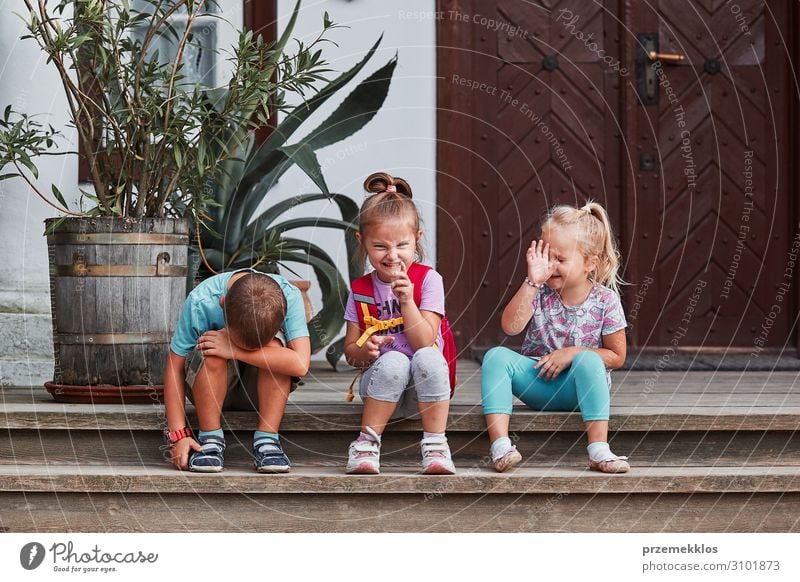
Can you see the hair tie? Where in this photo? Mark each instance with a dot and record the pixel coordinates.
(390, 188)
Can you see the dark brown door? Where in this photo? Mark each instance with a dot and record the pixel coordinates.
(542, 103)
(715, 212)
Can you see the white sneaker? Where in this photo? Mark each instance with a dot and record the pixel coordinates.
(364, 457)
(436, 457)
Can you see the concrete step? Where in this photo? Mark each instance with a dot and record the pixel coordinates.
(22, 370)
(26, 336)
(155, 498)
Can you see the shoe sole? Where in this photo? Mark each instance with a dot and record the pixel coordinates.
(205, 469)
(438, 469)
(505, 463)
(364, 469)
(598, 467)
(272, 469)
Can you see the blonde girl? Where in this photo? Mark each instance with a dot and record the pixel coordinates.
(569, 303)
(404, 369)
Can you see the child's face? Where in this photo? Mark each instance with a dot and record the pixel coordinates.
(388, 244)
(572, 268)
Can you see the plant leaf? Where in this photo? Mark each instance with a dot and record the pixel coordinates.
(358, 108)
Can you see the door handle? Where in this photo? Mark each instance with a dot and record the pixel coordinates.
(665, 57)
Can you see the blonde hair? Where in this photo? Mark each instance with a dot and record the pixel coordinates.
(391, 200)
(597, 239)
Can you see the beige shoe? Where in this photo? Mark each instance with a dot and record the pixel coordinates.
(511, 458)
(615, 465)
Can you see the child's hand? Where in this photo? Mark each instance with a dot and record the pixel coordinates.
(552, 364)
(180, 452)
(374, 343)
(216, 344)
(402, 286)
(540, 267)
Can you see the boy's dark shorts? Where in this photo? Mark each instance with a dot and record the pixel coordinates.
(242, 381)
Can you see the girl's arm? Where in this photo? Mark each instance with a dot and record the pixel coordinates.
(613, 354)
(420, 326)
(361, 357)
(614, 349)
(519, 310)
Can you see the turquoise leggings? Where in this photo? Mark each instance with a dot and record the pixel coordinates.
(583, 386)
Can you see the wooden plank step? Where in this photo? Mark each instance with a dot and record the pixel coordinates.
(158, 499)
(400, 480)
(322, 417)
(329, 448)
(432, 512)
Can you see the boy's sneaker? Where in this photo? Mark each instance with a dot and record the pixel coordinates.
(269, 456)
(364, 456)
(436, 457)
(211, 458)
(510, 458)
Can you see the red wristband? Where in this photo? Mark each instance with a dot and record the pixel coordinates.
(177, 435)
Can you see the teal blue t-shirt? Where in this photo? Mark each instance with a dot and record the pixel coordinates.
(202, 312)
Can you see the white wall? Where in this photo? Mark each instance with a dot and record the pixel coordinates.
(29, 85)
(400, 139)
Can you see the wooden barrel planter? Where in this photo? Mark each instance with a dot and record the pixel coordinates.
(117, 286)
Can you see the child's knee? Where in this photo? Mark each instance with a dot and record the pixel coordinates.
(214, 365)
(589, 361)
(388, 377)
(431, 375)
(497, 356)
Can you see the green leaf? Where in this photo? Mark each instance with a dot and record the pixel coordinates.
(358, 108)
(334, 353)
(268, 164)
(303, 155)
(328, 322)
(58, 196)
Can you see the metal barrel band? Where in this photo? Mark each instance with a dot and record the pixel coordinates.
(111, 338)
(117, 238)
(84, 270)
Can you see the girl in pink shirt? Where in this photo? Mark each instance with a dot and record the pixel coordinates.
(404, 370)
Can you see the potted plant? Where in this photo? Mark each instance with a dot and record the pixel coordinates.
(152, 139)
(238, 233)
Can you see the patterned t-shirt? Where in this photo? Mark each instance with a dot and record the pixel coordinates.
(555, 325)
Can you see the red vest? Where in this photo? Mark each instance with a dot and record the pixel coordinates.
(368, 322)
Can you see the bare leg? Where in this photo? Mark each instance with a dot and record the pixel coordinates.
(376, 414)
(273, 393)
(434, 415)
(209, 390)
(497, 425)
(597, 431)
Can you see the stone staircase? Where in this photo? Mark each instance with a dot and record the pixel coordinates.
(710, 452)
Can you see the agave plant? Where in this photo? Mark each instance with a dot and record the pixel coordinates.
(235, 234)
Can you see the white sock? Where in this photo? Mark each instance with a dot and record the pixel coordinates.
(365, 436)
(500, 447)
(436, 436)
(599, 452)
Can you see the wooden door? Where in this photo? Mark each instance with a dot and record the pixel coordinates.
(714, 219)
(542, 103)
(527, 119)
